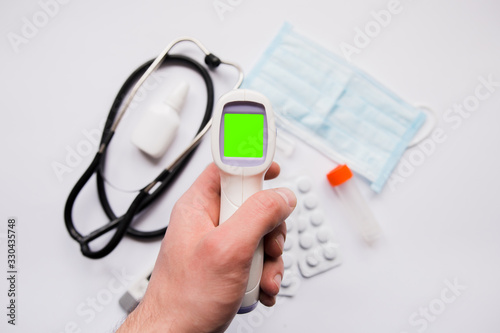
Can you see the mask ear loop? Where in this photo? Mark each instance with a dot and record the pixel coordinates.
(424, 134)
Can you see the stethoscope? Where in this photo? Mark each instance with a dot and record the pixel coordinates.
(148, 194)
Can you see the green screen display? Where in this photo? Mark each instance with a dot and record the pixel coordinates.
(243, 135)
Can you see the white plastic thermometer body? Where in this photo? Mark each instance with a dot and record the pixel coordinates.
(243, 145)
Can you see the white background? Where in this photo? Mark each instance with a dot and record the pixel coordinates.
(441, 224)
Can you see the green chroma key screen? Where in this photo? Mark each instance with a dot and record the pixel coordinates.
(243, 135)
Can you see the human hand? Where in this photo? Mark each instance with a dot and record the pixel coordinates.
(202, 270)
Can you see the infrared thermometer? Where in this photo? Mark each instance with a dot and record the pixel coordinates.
(243, 145)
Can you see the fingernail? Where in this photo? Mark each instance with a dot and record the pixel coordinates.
(288, 195)
(280, 239)
(277, 280)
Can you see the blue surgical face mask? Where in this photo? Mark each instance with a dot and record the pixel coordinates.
(334, 106)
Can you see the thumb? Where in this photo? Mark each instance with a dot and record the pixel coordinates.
(258, 215)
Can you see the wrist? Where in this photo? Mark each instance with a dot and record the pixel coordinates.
(148, 318)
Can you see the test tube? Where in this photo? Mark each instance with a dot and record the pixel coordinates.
(355, 204)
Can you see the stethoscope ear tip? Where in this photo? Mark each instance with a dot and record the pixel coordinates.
(212, 61)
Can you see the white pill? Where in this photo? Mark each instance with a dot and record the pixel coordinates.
(304, 184)
(289, 224)
(289, 243)
(286, 282)
(311, 201)
(302, 223)
(317, 218)
(288, 260)
(306, 241)
(324, 235)
(312, 261)
(329, 252)
(287, 279)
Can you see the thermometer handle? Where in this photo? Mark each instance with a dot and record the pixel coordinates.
(235, 189)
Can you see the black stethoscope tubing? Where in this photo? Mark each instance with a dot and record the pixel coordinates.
(146, 196)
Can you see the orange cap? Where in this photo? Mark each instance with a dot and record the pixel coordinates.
(339, 175)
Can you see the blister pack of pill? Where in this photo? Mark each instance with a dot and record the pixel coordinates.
(310, 247)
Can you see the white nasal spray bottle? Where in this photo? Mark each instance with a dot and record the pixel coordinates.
(243, 145)
(157, 128)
